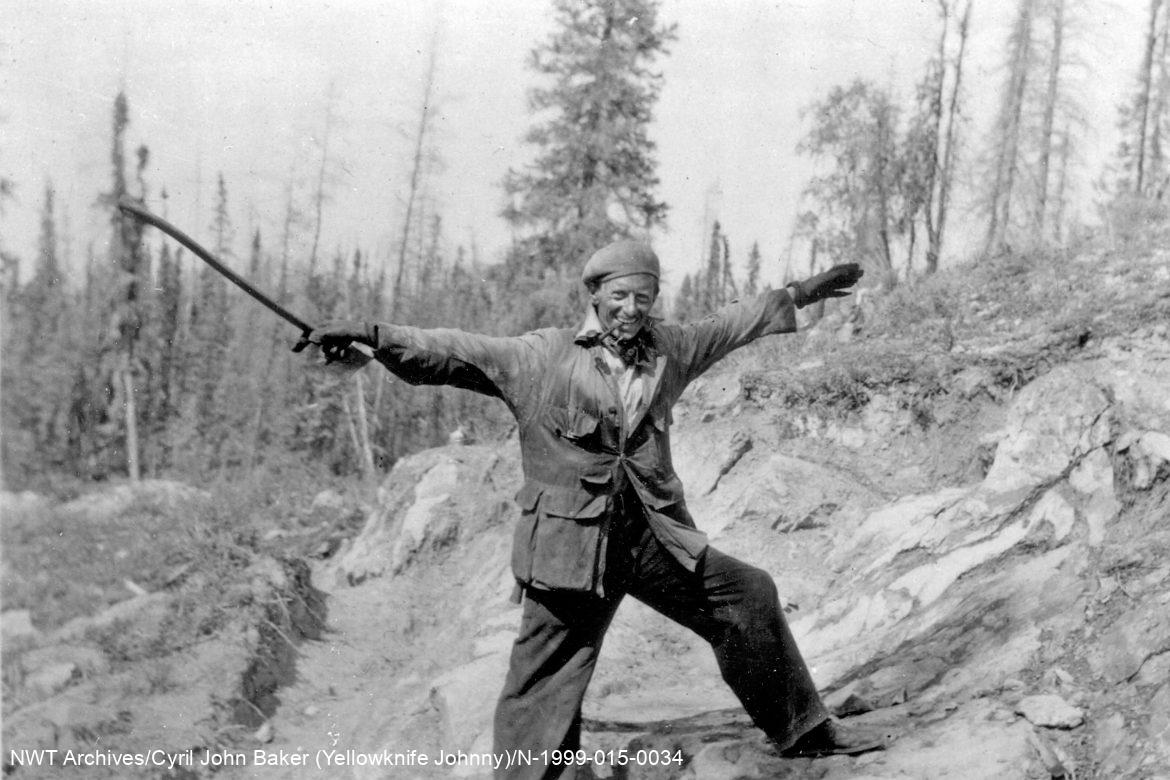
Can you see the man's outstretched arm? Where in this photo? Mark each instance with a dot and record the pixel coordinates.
(711, 339)
(439, 356)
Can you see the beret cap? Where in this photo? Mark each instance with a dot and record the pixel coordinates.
(621, 258)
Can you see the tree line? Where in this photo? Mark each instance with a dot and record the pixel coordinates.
(148, 363)
(152, 364)
(891, 169)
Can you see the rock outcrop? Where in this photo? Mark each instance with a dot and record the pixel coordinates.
(993, 624)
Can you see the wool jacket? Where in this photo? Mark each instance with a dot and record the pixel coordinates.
(578, 449)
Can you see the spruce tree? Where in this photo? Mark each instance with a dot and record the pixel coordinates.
(121, 370)
(35, 391)
(44, 295)
(593, 179)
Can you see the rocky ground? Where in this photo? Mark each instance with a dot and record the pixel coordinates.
(963, 495)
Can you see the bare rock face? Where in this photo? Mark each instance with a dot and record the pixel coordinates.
(953, 594)
(991, 626)
(424, 504)
(997, 554)
(733, 476)
(1054, 423)
(1134, 638)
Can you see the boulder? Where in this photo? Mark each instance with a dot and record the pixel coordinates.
(1050, 711)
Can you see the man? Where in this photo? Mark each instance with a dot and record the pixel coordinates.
(603, 513)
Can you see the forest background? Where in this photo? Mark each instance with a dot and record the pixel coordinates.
(998, 129)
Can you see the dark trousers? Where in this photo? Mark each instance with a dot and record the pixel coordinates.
(730, 604)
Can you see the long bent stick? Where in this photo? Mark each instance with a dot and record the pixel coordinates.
(128, 206)
(354, 356)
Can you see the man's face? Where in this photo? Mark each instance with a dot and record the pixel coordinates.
(626, 302)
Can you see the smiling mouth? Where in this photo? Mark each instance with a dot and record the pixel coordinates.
(621, 324)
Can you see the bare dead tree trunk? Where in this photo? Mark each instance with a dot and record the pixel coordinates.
(363, 426)
(356, 419)
(946, 175)
(881, 178)
(416, 174)
(1008, 138)
(1156, 164)
(354, 441)
(1062, 182)
(126, 314)
(932, 161)
(274, 342)
(132, 457)
(1049, 116)
(1144, 97)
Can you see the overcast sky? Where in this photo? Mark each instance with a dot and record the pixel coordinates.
(242, 88)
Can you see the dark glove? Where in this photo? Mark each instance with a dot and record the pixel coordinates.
(335, 337)
(831, 284)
